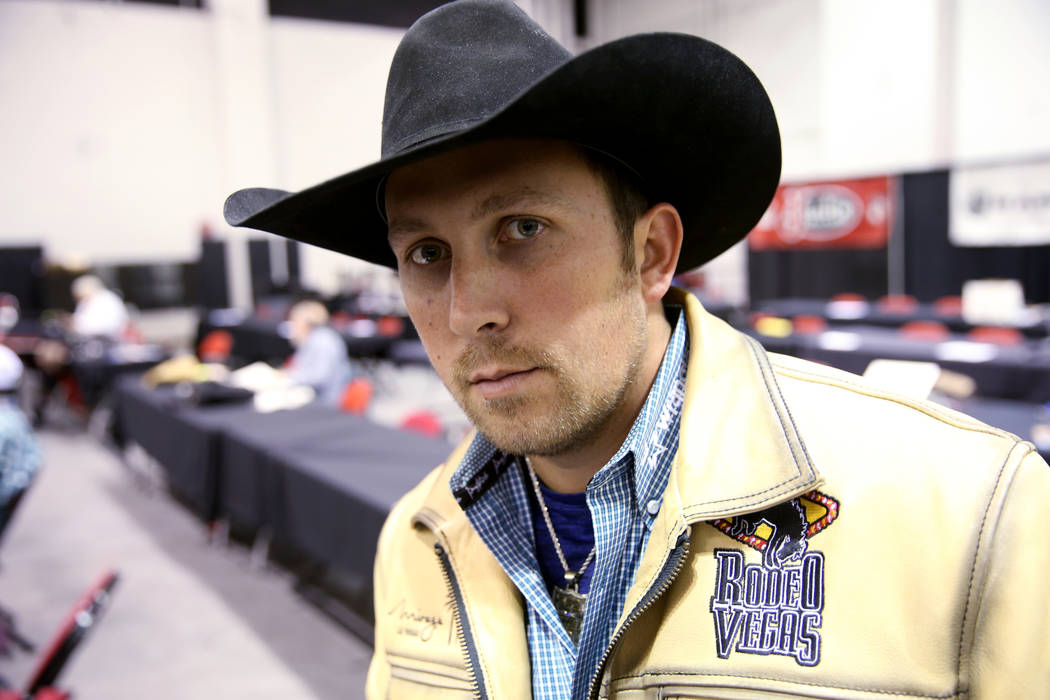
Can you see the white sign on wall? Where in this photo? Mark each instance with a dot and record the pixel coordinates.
(1002, 205)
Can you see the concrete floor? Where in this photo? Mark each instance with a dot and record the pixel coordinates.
(188, 619)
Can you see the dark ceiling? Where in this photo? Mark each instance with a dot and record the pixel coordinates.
(388, 13)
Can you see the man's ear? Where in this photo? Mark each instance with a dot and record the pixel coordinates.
(658, 239)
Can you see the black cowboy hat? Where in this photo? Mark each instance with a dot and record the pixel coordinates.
(687, 116)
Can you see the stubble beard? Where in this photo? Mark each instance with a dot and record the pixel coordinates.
(574, 418)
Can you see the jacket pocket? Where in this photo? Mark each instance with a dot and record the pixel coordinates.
(740, 688)
(418, 678)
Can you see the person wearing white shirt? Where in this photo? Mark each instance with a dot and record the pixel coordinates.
(99, 311)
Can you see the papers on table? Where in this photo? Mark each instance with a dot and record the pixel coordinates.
(842, 341)
(915, 379)
(965, 351)
(847, 309)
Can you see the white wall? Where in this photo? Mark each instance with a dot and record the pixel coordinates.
(124, 126)
(328, 85)
(1001, 101)
(866, 87)
(107, 132)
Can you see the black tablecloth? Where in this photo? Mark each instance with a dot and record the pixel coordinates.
(874, 316)
(183, 438)
(1020, 373)
(318, 479)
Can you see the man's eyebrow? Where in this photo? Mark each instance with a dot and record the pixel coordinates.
(502, 201)
(404, 226)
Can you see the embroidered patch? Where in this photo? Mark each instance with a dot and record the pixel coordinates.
(775, 607)
(788, 526)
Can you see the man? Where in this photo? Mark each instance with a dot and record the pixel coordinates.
(99, 316)
(320, 360)
(652, 506)
(99, 312)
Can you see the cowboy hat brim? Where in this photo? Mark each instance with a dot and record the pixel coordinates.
(687, 115)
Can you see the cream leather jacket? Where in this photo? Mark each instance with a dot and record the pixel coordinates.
(818, 538)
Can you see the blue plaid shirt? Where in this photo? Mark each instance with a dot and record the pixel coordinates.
(623, 496)
(19, 453)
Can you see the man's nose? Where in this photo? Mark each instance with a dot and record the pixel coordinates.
(476, 301)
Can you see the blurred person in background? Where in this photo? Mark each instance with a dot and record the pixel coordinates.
(99, 312)
(320, 359)
(99, 319)
(19, 453)
(652, 505)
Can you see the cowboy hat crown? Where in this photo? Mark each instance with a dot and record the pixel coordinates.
(687, 116)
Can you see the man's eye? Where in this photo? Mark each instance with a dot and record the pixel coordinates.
(520, 229)
(426, 254)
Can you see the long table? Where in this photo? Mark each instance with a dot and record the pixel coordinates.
(1018, 373)
(1034, 325)
(319, 480)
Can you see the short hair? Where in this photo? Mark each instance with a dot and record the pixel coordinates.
(626, 196)
(310, 311)
(86, 285)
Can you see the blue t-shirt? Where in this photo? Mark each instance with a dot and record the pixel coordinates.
(572, 521)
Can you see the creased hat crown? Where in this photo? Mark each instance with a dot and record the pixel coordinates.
(458, 66)
(690, 118)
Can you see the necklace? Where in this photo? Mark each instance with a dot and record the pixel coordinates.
(568, 600)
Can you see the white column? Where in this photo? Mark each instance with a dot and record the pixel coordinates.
(244, 102)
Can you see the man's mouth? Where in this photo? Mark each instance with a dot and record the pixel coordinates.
(495, 382)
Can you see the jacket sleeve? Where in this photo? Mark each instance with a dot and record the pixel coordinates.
(1010, 654)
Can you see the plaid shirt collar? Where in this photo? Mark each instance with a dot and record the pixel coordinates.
(624, 497)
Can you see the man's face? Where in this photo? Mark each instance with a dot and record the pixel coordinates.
(511, 267)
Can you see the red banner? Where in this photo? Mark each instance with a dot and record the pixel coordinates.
(837, 214)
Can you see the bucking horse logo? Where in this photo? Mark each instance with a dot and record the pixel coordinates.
(788, 538)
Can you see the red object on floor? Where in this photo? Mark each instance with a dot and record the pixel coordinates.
(423, 422)
(848, 296)
(81, 618)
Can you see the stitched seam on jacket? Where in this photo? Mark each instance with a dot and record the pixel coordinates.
(769, 379)
(977, 554)
(693, 512)
(767, 369)
(802, 683)
(872, 392)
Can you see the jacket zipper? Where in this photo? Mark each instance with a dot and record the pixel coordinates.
(462, 624)
(668, 574)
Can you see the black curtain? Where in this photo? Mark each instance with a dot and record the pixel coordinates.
(22, 274)
(935, 268)
(815, 274)
(259, 266)
(211, 281)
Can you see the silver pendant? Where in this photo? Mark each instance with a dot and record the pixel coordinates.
(570, 605)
